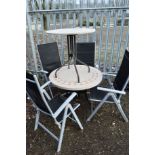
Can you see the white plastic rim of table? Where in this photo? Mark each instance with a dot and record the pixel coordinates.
(67, 78)
(71, 31)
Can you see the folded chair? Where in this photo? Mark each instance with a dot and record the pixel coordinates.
(86, 53)
(49, 56)
(101, 95)
(58, 107)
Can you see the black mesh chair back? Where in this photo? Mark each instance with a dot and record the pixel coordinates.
(29, 76)
(33, 92)
(86, 53)
(123, 73)
(49, 56)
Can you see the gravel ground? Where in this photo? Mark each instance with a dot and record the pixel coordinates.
(106, 134)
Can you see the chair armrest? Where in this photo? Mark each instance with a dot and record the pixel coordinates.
(46, 84)
(43, 71)
(40, 71)
(108, 74)
(112, 90)
(67, 101)
(46, 94)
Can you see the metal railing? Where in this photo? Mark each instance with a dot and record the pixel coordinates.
(110, 22)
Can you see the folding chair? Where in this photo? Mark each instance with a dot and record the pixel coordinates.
(49, 56)
(112, 95)
(86, 53)
(57, 107)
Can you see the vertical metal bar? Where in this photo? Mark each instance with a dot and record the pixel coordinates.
(31, 37)
(48, 19)
(36, 28)
(42, 21)
(120, 39)
(87, 3)
(94, 25)
(94, 21)
(113, 42)
(74, 14)
(74, 19)
(61, 37)
(67, 14)
(81, 13)
(60, 14)
(100, 41)
(126, 40)
(33, 4)
(109, 3)
(67, 19)
(36, 22)
(81, 18)
(102, 3)
(54, 21)
(87, 21)
(47, 15)
(60, 18)
(107, 39)
(42, 27)
(54, 16)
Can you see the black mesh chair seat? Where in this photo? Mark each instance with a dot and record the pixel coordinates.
(98, 95)
(54, 104)
(29, 75)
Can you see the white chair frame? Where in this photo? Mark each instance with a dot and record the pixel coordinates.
(111, 92)
(66, 105)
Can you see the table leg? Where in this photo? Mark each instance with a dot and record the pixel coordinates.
(72, 55)
(83, 64)
(77, 73)
(72, 52)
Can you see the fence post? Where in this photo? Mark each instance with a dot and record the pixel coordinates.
(31, 36)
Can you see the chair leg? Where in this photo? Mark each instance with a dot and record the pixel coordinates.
(48, 85)
(121, 111)
(76, 118)
(37, 120)
(91, 106)
(62, 130)
(97, 108)
(94, 112)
